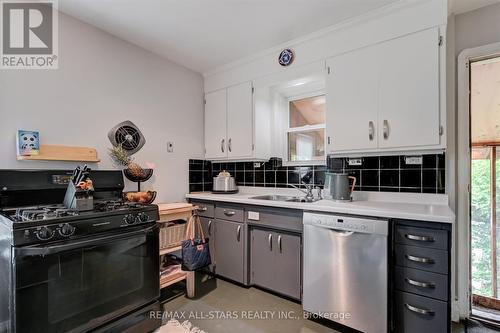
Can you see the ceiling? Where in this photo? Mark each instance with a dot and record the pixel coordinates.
(205, 34)
(462, 6)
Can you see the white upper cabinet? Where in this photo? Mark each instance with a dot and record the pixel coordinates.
(230, 124)
(409, 91)
(215, 124)
(386, 97)
(240, 121)
(352, 101)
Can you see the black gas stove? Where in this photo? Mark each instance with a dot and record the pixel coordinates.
(93, 270)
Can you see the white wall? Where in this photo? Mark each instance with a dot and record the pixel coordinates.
(477, 28)
(100, 82)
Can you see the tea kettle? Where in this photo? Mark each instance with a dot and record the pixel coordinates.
(340, 190)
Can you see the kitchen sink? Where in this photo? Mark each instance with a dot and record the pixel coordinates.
(279, 198)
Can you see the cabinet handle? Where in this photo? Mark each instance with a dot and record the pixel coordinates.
(279, 243)
(419, 310)
(270, 240)
(386, 129)
(230, 145)
(210, 228)
(202, 209)
(419, 238)
(238, 233)
(329, 140)
(229, 212)
(222, 144)
(420, 284)
(419, 259)
(371, 130)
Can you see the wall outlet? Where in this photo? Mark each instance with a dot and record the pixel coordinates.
(355, 161)
(255, 216)
(256, 165)
(413, 160)
(170, 147)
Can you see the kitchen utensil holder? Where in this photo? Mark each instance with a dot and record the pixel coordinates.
(78, 199)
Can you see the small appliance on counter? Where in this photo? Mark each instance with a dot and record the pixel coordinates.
(337, 187)
(224, 183)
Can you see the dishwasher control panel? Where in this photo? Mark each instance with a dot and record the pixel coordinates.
(347, 223)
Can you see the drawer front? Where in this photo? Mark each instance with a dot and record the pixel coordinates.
(283, 219)
(230, 213)
(424, 237)
(431, 260)
(205, 209)
(417, 314)
(421, 282)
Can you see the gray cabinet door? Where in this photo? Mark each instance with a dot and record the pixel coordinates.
(208, 226)
(229, 246)
(288, 265)
(262, 258)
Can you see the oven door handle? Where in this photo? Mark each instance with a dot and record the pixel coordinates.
(28, 251)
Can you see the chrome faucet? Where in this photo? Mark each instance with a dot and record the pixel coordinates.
(308, 191)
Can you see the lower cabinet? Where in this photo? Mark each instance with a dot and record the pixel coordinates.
(208, 226)
(275, 261)
(421, 274)
(229, 249)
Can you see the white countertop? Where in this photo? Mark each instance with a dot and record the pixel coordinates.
(412, 206)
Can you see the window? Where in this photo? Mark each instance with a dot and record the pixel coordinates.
(305, 133)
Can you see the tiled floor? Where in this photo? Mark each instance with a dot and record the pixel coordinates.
(224, 309)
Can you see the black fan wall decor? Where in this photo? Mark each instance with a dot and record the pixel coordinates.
(128, 136)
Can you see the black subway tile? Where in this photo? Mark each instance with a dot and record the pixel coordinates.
(429, 161)
(389, 178)
(411, 178)
(429, 178)
(389, 162)
(369, 178)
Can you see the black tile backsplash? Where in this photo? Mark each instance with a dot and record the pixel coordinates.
(376, 173)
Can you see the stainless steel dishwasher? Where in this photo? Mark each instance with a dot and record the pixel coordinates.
(345, 270)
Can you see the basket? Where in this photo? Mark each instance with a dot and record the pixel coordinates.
(172, 234)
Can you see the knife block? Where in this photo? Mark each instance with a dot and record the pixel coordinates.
(78, 199)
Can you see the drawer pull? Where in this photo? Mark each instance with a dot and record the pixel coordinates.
(238, 233)
(210, 228)
(270, 241)
(419, 310)
(420, 284)
(202, 209)
(229, 212)
(419, 238)
(419, 259)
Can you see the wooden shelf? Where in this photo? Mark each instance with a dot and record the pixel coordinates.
(63, 153)
(170, 279)
(170, 250)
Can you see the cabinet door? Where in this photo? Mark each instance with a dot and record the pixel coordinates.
(351, 97)
(240, 120)
(209, 230)
(288, 265)
(262, 258)
(215, 124)
(409, 91)
(229, 244)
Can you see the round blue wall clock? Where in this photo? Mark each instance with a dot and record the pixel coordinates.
(286, 57)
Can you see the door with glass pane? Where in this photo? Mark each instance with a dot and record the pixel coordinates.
(485, 174)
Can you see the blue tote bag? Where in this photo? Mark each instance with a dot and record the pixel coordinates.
(195, 252)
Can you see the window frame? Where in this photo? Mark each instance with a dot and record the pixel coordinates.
(288, 129)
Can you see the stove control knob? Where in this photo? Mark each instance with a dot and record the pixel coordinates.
(129, 219)
(67, 230)
(142, 217)
(44, 233)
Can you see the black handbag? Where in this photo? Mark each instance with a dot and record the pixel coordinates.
(195, 251)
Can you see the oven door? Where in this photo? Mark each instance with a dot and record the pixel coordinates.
(80, 284)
